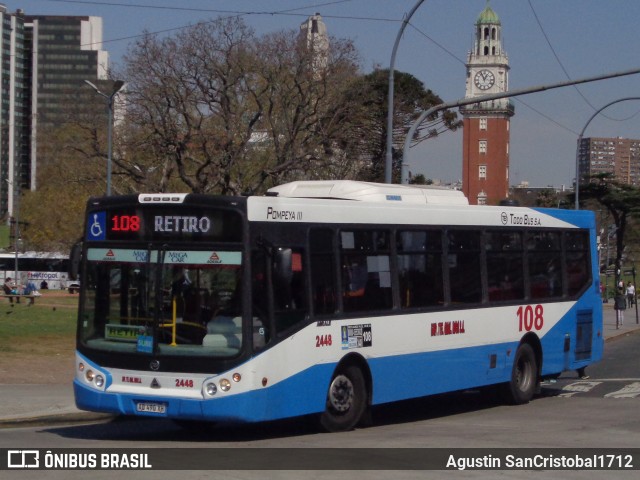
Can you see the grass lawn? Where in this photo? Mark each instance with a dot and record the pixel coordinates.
(45, 328)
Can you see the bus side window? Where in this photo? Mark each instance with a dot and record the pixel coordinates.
(366, 271)
(577, 261)
(545, 264)
(505, 273)
(463, 260)
(420, 268)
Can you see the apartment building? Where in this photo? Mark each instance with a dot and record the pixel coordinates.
(618, 156)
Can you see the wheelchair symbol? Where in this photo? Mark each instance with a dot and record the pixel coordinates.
(96, 227)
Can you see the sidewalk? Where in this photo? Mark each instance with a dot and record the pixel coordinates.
(28, 405)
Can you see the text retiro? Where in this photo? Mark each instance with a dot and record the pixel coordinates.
(178, 224)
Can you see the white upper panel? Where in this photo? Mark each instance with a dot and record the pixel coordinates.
(370, 192)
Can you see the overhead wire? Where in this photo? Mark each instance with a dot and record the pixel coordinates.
(519, 100)
(231, 13)
(291, 12)
(566, 73)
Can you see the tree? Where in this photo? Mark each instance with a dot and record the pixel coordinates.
(420, 179)
(227, 112)
(71, 169)
(216, 109)
(189, 103)
(370, 112)
(622, 201)
(303, 109)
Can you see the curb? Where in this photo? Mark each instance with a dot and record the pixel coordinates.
(55, 419)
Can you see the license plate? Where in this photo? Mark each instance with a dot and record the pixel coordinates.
(149, 407)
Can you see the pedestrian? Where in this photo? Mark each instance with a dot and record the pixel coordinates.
(8, 288)
(581, 373)
(619, 305)
(631, 294)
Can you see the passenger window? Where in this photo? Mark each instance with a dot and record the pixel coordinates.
(366, 272)
(505, 275)
(463, 259)
(545, 264)
(577, 261)
(420, 268)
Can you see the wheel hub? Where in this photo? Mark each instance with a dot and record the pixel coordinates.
(341, 393)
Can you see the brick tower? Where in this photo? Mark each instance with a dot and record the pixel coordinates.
(485, 170)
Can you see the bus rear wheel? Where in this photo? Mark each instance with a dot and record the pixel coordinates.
(524, 376)
(346, 400)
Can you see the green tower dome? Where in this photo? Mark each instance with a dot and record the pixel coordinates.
(488, 16)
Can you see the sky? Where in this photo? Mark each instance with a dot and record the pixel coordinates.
(547, 42)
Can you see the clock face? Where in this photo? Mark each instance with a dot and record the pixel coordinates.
(484, 79)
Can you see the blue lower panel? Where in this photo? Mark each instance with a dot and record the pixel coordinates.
(301, 394)
(411, 376)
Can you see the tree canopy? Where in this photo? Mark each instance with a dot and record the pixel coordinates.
(622, 201)
(218, 109)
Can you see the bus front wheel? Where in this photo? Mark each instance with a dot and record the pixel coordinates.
(346, 400)
(524, 376)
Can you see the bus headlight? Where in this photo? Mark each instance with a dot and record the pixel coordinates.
(99, 380)
(89, 375)
(210, 389)
(225, 385)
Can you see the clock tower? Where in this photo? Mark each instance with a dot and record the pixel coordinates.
(485, 169)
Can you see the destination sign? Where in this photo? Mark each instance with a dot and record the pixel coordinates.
(148, 223)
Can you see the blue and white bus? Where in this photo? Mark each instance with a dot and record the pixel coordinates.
(326, 298)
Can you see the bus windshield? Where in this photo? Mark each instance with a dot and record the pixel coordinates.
(163, 302)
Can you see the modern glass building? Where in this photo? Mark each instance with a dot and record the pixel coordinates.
(64, 52)
(14, 109)
(45, 62)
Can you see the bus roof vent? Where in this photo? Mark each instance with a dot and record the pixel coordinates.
(370, 192)
(162, 197)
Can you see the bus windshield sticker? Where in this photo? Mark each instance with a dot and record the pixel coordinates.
(203, 258)
(122, 333)
(119, 255)
(356, 336)
(145, 344)
(172, 257)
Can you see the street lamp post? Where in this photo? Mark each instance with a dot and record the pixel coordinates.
(388, 167)
(117, 85)
(16, 227)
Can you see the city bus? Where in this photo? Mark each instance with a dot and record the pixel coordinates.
(41, 269)
(325, 299)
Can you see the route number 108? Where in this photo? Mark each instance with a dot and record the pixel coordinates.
(530, 318)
